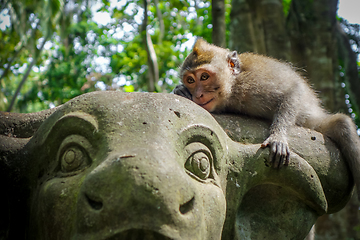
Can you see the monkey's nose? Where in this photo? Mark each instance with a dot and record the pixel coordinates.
(199, 95)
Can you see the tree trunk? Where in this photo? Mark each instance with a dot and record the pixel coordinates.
(36, 55)
(341, 225)
(24, 41)
(151, 55)
(312, 29)
(218, 22)
(276, 39)
(246, 34)
(161, 21)
(259, 26)
(9, 64)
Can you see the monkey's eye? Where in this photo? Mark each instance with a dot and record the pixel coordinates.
(204, 76)
(190, 80)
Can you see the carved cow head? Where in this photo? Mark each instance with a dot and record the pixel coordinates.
(110, 165)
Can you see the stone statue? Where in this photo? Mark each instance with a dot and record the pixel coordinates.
(111, 165)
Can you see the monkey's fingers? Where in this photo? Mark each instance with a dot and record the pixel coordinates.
(181, 90)
(277, 158)
(265, 144)
(285, 155)
(287, 159)
(280, 154)
(272, 154)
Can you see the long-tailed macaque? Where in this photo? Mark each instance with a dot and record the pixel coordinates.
(220, 80)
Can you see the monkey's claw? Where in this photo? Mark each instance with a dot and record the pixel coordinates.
(279, 152)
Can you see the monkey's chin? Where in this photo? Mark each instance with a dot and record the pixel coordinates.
(209, 105)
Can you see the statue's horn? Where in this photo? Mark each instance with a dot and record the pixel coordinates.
(22, 125)
(17, 128)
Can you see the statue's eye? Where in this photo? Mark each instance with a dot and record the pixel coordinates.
(199, 161)
(73, 159)
(199, 164)
(73, 155)
(190, 80)
(204, 76)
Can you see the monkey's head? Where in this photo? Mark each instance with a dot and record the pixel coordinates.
(208, 72)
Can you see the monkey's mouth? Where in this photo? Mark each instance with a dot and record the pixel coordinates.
(203, 104)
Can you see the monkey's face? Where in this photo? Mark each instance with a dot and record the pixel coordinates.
(203, 86)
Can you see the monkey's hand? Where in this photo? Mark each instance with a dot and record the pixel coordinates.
(279, 150)
(181, 90)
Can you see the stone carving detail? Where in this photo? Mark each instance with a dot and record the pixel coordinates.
(111, 165)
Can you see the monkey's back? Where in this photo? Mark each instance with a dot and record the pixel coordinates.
(266, 84)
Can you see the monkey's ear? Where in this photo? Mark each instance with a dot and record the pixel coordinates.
(234, 62)
(199, 46)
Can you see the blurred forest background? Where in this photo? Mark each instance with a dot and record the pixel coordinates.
(54, 50)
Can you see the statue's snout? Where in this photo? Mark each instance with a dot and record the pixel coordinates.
(140, 190)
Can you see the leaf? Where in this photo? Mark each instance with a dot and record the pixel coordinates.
(129, 88)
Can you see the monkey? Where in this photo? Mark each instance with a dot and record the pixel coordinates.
(223, 81)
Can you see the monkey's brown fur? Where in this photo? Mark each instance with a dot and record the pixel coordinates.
(222, 81)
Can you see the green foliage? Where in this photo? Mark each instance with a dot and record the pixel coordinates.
(30, 24)
(132, 61)
(82, 55)
(286, 6)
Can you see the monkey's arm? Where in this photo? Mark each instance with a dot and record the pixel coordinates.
(181, 90)
(284, 117)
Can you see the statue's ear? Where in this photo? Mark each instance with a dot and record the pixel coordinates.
(234, 62)
(299, 178)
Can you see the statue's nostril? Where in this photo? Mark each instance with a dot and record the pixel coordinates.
(97, 205)
(186, 207)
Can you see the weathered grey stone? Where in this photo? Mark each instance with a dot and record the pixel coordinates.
(111, 165)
